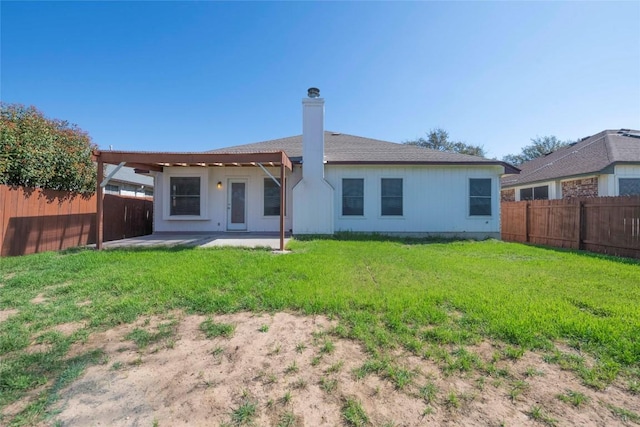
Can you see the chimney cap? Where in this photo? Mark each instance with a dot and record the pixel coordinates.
(313, 92)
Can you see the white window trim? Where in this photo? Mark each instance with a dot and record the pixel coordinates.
(203, 174)
(390, 217)
(493, 197)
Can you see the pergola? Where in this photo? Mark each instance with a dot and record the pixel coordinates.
(150, 161)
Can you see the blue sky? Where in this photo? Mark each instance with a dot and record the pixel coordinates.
(193, 76)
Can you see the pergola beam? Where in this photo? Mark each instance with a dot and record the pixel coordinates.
(157, 159)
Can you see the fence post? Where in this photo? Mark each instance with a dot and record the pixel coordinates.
(99, 205)
(580, 223)
(526, 221)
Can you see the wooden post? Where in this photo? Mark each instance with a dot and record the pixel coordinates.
(99, 205)
(282, 204)
(526, 221)
(580, 223)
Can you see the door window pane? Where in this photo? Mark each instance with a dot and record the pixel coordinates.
(237, 202)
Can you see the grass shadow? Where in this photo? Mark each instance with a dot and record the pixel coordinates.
(586, 254)
(379, 237)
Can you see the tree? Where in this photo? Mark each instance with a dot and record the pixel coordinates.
(45, 153)
(540, 146)
(438, 139)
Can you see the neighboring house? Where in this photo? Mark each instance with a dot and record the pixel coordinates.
(333, 182)
(605, 164)
(126, 182)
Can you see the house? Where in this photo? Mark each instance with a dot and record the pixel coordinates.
(605, 164)
(331, 182)
(126, 182)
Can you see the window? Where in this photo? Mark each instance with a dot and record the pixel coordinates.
(629, 186)
(535, 193)
(391, 196)
(480, 197)
(271, 197)
(185, 195)
(353, 196)
(526, 194)
(111, 189)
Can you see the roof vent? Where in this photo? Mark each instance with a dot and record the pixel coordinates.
(631, 135)
(313, 92)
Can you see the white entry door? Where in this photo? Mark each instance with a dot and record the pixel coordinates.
(237, 205)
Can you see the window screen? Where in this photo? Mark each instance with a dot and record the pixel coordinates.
(353, 196)
(391, 200)
(185, 195)
(480, 197)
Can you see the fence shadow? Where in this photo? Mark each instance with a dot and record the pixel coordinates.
(32, 234)
(586, 253)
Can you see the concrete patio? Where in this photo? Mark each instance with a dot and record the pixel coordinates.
(205, 240)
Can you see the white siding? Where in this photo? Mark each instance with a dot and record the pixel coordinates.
(435, 199)
(606, 185)
(214, 215)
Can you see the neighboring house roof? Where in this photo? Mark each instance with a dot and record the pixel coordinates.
(129, 176)
(594, 154)
(340, 148)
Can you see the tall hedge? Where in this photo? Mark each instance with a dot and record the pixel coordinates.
(44, 153)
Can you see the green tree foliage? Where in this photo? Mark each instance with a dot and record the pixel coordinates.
(438, 139)
(540, 146)
(45, 153)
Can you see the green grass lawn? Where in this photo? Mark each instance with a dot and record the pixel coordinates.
(386, 294)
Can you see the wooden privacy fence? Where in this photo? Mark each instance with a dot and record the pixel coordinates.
(609, 225)
(34, 220)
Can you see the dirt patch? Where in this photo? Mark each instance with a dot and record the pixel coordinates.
(39, 299)
(283, 365)
(84, 303)
(68, 328)
(5, 314)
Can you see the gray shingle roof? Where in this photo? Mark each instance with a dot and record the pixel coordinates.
(591, 155)
(342, 148)
(129, 176)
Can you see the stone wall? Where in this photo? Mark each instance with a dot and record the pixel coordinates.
(508, 195)
(587, 187)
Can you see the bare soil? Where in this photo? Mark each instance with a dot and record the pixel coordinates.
(5, 314)
(188, 379)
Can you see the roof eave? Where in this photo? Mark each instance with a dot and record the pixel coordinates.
(508, 169)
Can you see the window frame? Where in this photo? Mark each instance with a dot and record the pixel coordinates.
(401, 197)
(471, 196)
(112, 189)
(533, 192)
(264, 206)
(342, 198)
(629, 178)
(204, 195)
